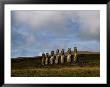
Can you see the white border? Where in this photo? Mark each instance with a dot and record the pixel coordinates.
(56, 80)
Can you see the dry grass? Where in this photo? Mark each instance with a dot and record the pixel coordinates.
(58, 72)
(88, 66)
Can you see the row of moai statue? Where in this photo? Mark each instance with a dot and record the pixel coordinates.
(59, 57)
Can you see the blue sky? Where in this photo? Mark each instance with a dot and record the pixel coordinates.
(34, 32)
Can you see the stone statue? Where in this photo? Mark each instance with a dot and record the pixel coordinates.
(43, 59)
(69, 55)
(57, 56)
(62, 56)
(75, 54)
(47, 59)
(52, 57)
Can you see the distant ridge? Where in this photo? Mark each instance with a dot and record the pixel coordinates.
(87, 52)
(79, 52)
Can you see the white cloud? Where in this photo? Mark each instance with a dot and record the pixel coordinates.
(89, 21)
(45, 25)
(38, 18)
(90, 24)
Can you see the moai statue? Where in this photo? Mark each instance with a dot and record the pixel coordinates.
(69, 55)
(62, 56)
(52, 57)
(75, 54)
(57, 56)
(43, 59)
(47, 59)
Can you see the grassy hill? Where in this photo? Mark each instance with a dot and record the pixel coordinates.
(88, 66)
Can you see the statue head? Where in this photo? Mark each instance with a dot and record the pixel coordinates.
(52, 53)
(75, 49)
(47, 54)
(43, 54)
(57, 51)
(62, 51)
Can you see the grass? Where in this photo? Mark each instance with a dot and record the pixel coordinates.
(73, 71)
(88, 66)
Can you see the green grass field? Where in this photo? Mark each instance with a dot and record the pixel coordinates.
(88, 66)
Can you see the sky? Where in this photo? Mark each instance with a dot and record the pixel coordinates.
(35, 32)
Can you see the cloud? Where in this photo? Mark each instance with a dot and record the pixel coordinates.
(38, 18)
(89, 25)
(56, 21)
(49, 30)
